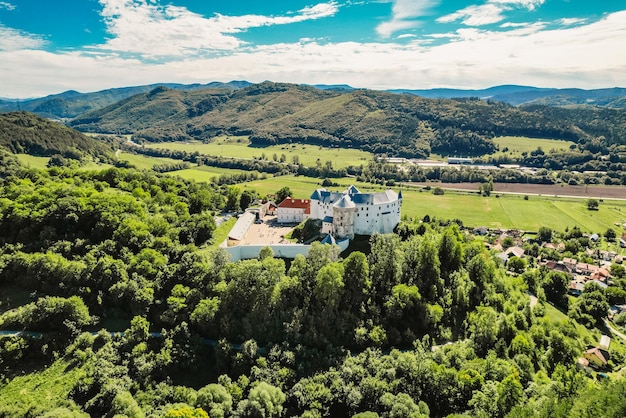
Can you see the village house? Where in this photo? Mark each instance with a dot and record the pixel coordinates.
(596, 357)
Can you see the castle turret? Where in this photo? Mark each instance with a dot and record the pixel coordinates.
(343, 217)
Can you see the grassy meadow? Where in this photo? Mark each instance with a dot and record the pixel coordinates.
(144, 162)
(239, 146)
(518, 144)
(40, 163)
(205, 173)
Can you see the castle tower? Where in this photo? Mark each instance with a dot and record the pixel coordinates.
(343, 217)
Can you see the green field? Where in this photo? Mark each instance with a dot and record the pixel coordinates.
(519, 144)
(507, 211)
(144, 162)
(240, 147)
(205, 173)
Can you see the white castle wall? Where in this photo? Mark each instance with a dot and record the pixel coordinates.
(241, 252)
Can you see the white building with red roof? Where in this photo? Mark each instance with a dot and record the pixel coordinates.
(293, 210)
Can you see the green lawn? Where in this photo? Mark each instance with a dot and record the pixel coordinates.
(518, 144)
(240, 147)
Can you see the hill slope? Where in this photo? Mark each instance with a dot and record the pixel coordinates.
(71, 103)
(380, 122)
(22, 132)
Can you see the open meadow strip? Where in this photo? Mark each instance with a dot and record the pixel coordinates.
(239, 147)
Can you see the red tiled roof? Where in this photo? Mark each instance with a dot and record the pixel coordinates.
(290, 203)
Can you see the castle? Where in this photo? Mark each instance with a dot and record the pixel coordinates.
(346, 214)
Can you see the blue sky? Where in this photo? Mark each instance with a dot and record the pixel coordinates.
(88, 45)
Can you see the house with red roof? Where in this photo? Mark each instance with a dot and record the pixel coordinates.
(293, 210)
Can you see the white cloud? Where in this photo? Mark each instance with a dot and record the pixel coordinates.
(489, 13)
(530, 55)
(403, 15)
(571, 21)
(528, 4)
(13, 40)
(7, 5)
(152, 30)
(475, 15)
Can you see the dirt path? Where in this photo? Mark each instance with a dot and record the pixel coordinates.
(533, 300)
(613, 330)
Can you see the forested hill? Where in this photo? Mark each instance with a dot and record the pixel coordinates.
(23, 132)
(401, 125)
(71, 103)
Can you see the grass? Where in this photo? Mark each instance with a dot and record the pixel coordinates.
(221, 232)
(33, 161)
(240, 147)
(41, 163)
(518, 144)
(205, 173)
(507, 211)
(39, 392)
(588, 337)
(145, 162)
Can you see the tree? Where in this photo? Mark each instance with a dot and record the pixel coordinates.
(544, 234)
(510, 393)
(486, 188)
(264, 400)
(618, 271)
(282, 194)
(185, 411)
(555, 286)
(610, 235)
(592, 204)
(232, 198)
(246, 198)
(215, 399)
(516, 264)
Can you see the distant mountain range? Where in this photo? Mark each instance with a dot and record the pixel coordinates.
(70, 104)
(524, 95)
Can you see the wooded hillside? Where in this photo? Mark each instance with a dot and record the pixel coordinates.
(401, 125)
(23, 132)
